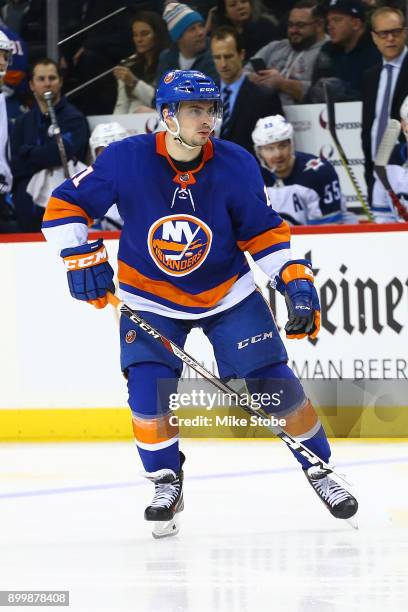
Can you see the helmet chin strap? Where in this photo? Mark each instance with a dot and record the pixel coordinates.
(177, 137)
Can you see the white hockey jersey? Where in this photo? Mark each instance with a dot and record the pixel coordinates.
(382, 207)
(310, 195)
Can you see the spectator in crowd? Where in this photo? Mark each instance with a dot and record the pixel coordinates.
(190, 49)
(102, 136)
(385, 85)
(248, 17)
(13, 12)
(347, 55)
(288, 64)
(243, 102)
(303, 189)
(98, 50)
(6, 212)
(136, 82)
(15, 85)
(33, 148)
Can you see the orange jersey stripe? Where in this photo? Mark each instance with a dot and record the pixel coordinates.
(60, 209)
(266, 239)
(302, 420)
(152, 431)
(205, 299)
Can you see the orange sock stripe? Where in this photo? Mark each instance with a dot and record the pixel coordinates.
(153, 431)
(302, 420)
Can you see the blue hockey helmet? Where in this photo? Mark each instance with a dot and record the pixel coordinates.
(183, 86)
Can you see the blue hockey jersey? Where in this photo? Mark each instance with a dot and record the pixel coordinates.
(310, 195)
(181, 251)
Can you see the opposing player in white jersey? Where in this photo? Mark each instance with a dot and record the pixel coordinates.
(383, 209)
(304, 189)
(102, 136)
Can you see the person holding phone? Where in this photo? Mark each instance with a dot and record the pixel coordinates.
(286, 66)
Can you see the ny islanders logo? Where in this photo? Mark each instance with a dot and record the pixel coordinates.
(179, 244)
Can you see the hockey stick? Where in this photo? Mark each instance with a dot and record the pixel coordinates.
(387, 144)
(331, 118)
(57, 133)
(224, 387)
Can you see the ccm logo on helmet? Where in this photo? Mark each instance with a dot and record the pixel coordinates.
(254, 339)
(78, 262)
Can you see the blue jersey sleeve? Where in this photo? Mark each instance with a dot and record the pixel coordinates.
(79, 200)
(259, 230)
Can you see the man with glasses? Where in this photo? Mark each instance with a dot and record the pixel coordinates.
(385, 86)
(289, 63)
(347, 55)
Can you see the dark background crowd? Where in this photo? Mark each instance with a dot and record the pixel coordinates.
(264, 56)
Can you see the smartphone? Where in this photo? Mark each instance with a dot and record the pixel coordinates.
(257, 64)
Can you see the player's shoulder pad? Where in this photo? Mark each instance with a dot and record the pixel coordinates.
(314, 169)
(230, 151)
(238, 165)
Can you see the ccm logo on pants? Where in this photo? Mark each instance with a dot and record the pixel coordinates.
(258, 338)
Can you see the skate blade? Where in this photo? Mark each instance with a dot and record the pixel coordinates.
(165, 529)
(352, 521)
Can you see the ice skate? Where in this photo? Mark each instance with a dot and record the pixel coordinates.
(167, 501)
(340, 503)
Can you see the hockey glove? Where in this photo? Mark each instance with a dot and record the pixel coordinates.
(89, 274)
(295, 282)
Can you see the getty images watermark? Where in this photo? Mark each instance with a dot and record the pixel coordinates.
(217, 399)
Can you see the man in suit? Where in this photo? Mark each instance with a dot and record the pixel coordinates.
(385, 85)
(243, 101)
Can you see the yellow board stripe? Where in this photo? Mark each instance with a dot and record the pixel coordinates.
(116, 424)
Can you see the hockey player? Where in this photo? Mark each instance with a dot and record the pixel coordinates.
(102, 136)
(191, 206)
(6, 178)
(383, 209)
(305, 190)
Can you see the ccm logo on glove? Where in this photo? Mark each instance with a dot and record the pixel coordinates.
(89, 274)
(78, 262)
(295, 282)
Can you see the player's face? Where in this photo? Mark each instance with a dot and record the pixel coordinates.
(238, 11)
(228, 61)
(46, 78)
(197, 121)
(277, 156)
(143, 37)
(389, 35)
(341, 27)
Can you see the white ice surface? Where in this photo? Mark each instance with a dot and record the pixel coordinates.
(254, 536)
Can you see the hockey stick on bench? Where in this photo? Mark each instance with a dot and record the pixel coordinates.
(224, 387)
(331, 120)
(387, 144)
